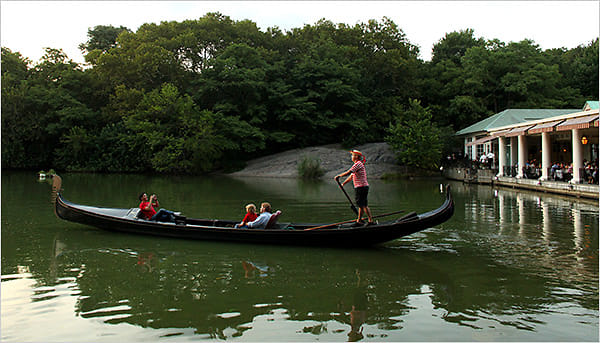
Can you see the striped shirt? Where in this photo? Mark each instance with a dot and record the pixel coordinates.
(359, 174)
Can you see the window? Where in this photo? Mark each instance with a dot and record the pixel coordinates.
(479, 150)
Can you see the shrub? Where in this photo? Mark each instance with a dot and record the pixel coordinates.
(310, 168)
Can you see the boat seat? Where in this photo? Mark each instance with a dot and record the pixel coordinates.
(273, 220)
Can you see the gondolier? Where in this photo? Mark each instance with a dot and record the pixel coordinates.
(358, 175)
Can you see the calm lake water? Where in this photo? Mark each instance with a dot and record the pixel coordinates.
(509, 266)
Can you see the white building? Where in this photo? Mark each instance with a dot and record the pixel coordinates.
(518, 137)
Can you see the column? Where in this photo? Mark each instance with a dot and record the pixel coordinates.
(467, 140)
(577, 155)
(546, 155)
(473, 149)
(501, 155)
(514, 151)
(522, 155)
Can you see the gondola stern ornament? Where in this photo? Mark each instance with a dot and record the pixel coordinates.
(56, 189)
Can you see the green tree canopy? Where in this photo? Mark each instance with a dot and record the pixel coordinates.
(415, 138)
(207, 94)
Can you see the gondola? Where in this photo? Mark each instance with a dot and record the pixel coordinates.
(327, 234)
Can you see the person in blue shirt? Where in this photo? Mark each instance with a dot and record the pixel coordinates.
(263, 218)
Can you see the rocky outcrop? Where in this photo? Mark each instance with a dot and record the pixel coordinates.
(333, 160)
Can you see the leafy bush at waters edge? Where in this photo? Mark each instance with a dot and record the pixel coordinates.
(310, 168)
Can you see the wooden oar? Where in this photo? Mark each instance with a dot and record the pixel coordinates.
(350, 221)
(347, 197)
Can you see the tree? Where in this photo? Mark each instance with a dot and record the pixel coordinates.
(102, 37)
(15, 73)
(516, 75)
(207, 94)
(579, 67)
(49, 101)
(444, 85)
(171, 133)
(414, 138)
(454, 46)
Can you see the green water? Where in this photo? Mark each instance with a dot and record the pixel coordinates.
(509, 266)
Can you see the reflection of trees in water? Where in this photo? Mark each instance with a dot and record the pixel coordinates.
(215, 288)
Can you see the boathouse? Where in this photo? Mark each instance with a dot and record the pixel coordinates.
(558, 145)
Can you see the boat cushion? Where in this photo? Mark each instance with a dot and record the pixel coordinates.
(273, 220)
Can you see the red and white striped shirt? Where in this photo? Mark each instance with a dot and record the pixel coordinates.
(359, 174)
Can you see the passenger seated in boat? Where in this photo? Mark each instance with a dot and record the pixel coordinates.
(263, 218)
(149, 213)
(250, 216)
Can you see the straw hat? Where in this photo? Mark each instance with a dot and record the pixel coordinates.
(356, 152)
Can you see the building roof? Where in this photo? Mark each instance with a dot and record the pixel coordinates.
(512, 117)
(590, 105)
(560, 118)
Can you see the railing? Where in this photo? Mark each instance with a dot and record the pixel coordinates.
(560, 175)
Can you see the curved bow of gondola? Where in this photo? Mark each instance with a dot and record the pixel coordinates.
(445, 211)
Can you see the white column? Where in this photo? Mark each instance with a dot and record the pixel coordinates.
(467, 140)
(577, 155)
(501, 155)
(546, 155)
(514, 151)
(473, 149)
(522, 155)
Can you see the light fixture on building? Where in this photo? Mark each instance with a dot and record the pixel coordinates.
(584, 140)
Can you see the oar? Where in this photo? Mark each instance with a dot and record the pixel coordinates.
(350, 221)
(346, 194)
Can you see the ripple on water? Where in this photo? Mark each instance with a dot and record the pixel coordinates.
(110, 312)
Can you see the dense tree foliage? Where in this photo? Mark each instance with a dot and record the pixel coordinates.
(415, 138)
(208, 94)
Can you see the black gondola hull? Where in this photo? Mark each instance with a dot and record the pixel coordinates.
(216, 230)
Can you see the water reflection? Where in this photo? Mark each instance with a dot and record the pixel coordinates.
(509, 264)
(223, 291)
(213, 292)
(358, 313)
(550, 235)
(546, 221)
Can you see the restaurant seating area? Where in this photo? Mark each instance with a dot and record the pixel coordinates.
(562, 172)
